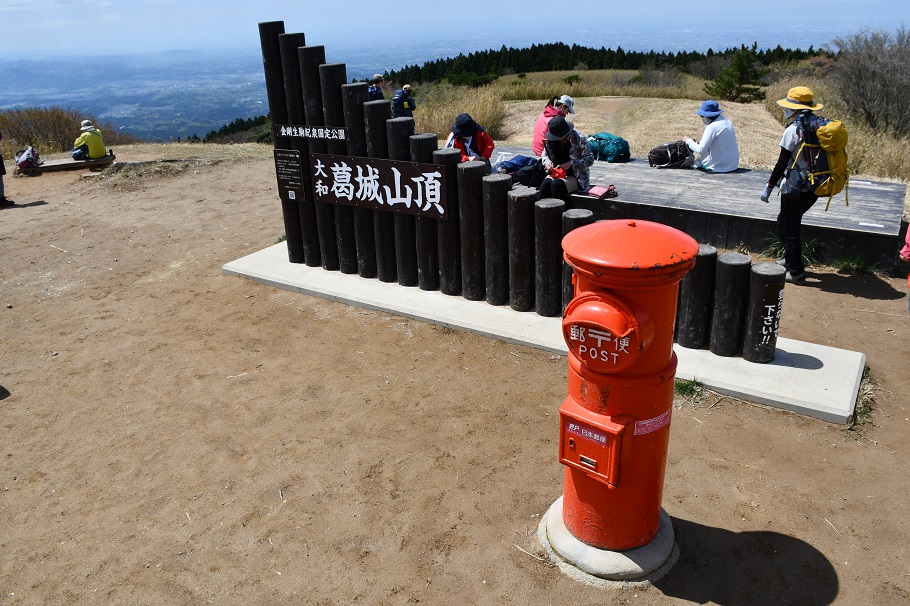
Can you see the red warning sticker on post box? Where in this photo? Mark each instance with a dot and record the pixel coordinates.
(651, 425)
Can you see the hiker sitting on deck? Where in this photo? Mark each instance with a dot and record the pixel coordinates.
(566, 159)
(471, 139)
(717, 150)
(556, 106)
(90, 144)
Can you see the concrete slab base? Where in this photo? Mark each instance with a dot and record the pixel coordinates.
(604, 568)
(809, 379)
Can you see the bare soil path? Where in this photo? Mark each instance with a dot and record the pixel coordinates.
(175, 436)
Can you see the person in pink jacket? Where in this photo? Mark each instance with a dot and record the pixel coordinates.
(556, 106)
(905, 256)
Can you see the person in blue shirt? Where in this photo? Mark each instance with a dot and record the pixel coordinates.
(717, 151)
(374, 91)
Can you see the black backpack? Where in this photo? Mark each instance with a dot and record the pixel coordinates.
(675, 154)
(531, 175)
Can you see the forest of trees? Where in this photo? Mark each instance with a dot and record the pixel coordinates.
(481, 67)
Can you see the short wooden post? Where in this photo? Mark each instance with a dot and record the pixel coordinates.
(572, 219)
(730, 295)
(375, 115)
(422, 148)
(353, 96)
(331, 78)
(496, 237)
(448, 232)
(696, 291)
(399, 131)
(470, 209)
(766, 297)
(521, 248)
(548, 255)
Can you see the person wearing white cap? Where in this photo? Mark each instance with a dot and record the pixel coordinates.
(556, 106)
(796, 196)
(90, 144)
(374, 91)
(403, 104)
(717, 151)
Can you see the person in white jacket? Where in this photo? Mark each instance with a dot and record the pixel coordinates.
(717, 151)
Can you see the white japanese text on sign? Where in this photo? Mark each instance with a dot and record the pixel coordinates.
(408, 187)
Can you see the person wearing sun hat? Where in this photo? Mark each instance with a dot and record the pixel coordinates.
(471, 139)
(566, 159)
(90, 144)
(796, 196)
(717, 151)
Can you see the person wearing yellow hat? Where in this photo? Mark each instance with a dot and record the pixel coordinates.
(796, 195)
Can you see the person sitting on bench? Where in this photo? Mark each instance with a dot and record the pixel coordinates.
(566, 159)
(717, 150)
(90, 144)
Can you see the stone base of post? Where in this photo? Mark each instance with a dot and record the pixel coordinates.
(604, 568)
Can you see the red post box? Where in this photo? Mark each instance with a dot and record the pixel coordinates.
(615, 423)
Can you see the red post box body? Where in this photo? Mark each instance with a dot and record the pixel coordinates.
(615, 422)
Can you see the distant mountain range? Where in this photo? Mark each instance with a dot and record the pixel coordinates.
(177, 94)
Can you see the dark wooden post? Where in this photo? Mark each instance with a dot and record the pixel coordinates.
(470, 209)
(572, 219)
(290, 60)
(422, 148)
(375, 115)
(766, 296)
(449, 232)
(353, 96)
(331, 77)
(399, 131)
(548, 255)
(696, 293)
(269, 32)
(730, 295)
(496, 237)
(521, 248)
(311, 57)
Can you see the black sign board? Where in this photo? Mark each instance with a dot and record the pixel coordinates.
(407, 187)
(290, 174)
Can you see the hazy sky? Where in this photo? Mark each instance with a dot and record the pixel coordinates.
(101, 27)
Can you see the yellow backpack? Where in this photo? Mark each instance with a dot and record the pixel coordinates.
(825, 144)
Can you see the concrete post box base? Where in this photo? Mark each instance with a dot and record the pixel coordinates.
(603, 568)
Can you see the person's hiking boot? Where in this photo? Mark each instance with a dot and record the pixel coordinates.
(4, 201)
(793, 278)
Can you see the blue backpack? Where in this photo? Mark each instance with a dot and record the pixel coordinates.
(374, 93)
(515, 164)
(609, 147)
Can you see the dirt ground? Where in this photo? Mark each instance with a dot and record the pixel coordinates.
(171, 435)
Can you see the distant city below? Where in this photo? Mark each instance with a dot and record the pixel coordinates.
(177, 94)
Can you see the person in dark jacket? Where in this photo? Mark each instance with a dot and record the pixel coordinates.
(795, 197)
(4, 201)
(403, 104)
(471, 139)
(374, 91)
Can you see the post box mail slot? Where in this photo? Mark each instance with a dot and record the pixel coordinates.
(591, 442)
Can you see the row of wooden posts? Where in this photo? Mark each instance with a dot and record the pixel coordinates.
(501, 244)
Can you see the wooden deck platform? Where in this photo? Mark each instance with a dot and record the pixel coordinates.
(50, 166)
(724, 210)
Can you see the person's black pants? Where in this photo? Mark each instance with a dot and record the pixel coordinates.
(81, 152)
(790, 223)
